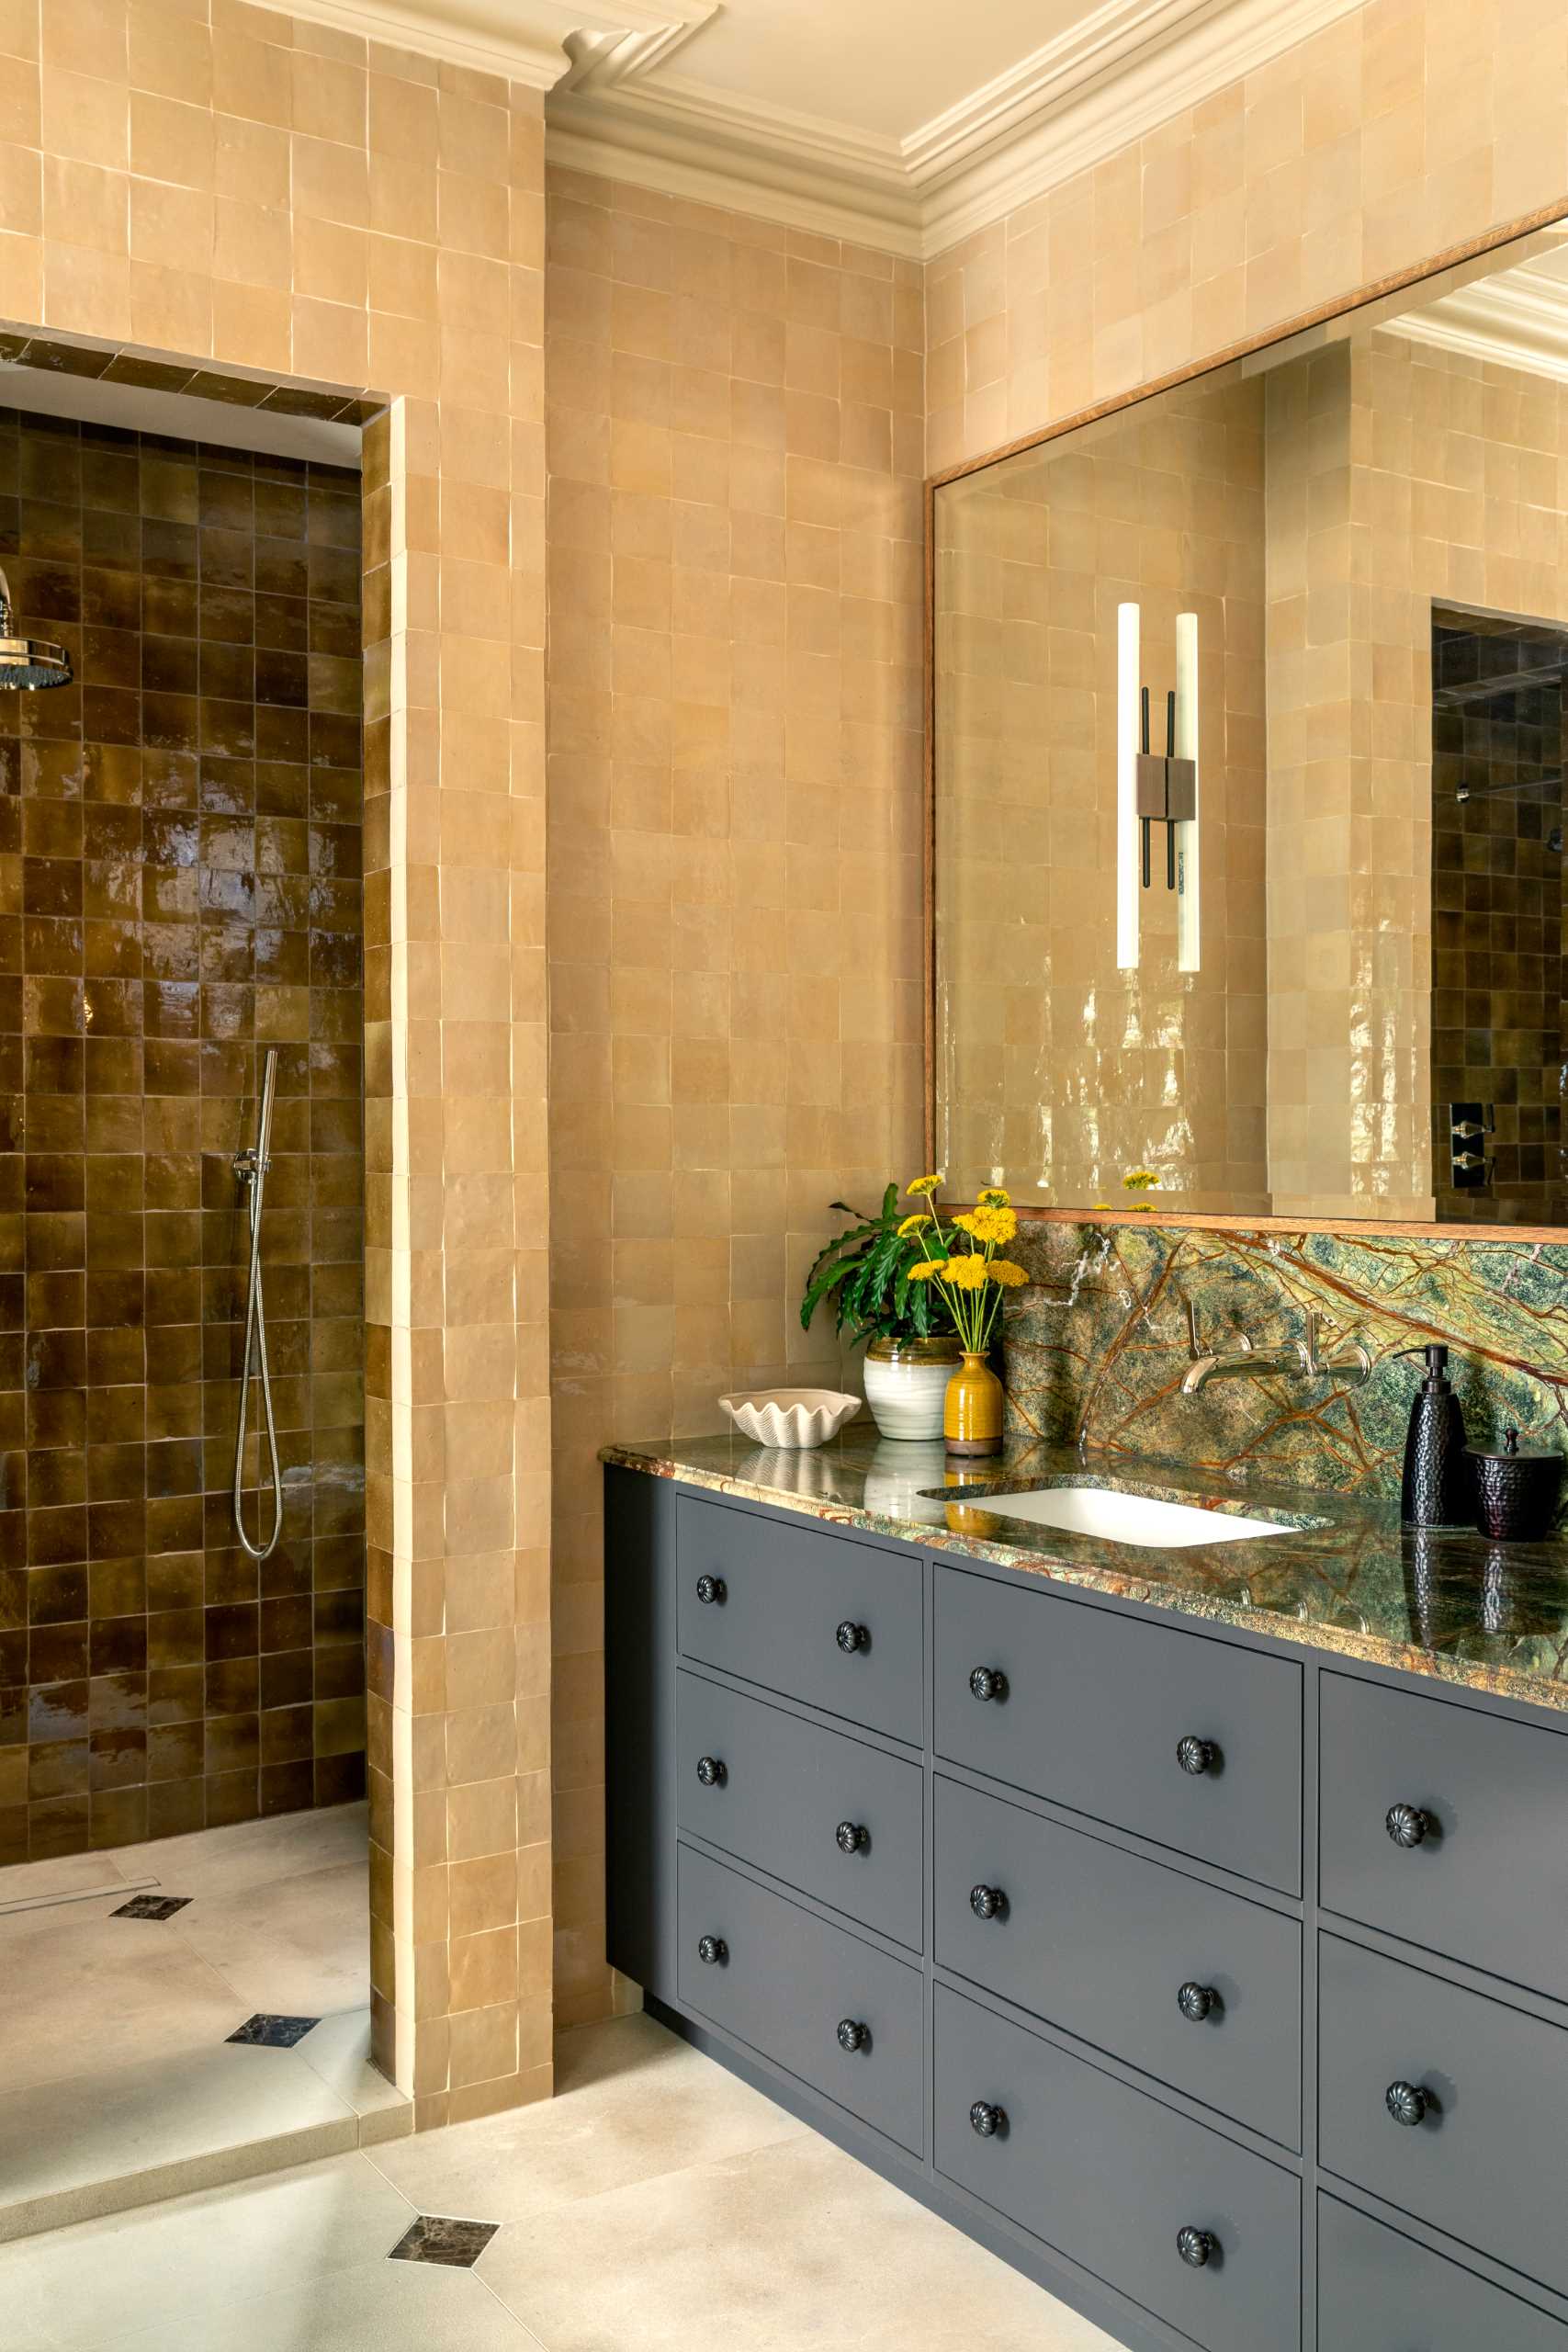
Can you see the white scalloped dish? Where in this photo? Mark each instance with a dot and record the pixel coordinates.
(790, 1417)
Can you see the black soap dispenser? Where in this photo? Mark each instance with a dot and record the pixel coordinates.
(1438, 1488)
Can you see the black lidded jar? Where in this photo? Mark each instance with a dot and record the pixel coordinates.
(1516, 1491)
(1439, 1487)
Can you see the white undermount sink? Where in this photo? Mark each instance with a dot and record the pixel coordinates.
(1128, 1518)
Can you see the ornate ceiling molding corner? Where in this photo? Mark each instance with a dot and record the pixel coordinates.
(528, 41)
(1518, 320)
(1125, 69)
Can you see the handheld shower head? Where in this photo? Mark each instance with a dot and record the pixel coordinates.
(27, 661)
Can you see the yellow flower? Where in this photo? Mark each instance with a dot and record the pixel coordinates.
(913, 1224)
(1140, 1180)
(926, 1184)
(993, 1197)
(927, 1270)
(968, 1272)
(992, 1225)
(1011, 1277)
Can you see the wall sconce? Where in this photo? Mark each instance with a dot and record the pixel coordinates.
(1157, 788)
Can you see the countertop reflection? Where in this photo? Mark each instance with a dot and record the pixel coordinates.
(1345, 1578)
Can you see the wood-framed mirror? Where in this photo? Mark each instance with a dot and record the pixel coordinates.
(1245, 759)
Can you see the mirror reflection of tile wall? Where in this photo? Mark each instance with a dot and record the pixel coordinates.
(1324, 510)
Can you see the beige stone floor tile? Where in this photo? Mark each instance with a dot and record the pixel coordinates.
(299, 1945)
(99, 2141)
(198, 2255)
(375, 2307)
(632, 2101)
(338, 2049)
(251, 1853)
(767, 2252)
(66, 1876)
(90, 1993)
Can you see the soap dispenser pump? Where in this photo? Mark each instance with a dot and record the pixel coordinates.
(1438, 1488)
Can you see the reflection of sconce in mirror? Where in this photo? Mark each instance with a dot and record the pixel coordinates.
(1155, 788)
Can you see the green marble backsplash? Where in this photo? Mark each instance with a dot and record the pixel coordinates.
(1095, 1350)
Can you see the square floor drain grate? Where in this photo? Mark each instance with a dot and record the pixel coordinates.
(273, 2033)
(151, 1907)
(436, 2238)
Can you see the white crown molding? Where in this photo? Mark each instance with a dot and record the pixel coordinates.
(1518, 320)
(1113, 77)
(522, 41)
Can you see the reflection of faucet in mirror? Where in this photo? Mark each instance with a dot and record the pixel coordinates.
(1301, 1359)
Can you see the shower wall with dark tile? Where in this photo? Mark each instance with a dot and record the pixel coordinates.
(1498, 1027)
(180, 886)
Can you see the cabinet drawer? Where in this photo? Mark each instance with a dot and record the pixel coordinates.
(1100, 1942)
(1378, 2291)
(1485, 2165)
(784, 1982)
(1111, 2178)
(772, 1599)
(786, 1790)
(1096, 1706)
(1487, 1883)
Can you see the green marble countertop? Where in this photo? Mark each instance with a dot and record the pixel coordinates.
(1346, 1578)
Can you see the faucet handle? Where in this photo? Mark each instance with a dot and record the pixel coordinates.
(1195, 1349)
(1347, 1359)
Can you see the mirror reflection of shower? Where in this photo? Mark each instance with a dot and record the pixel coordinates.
(27, 663)
(251, 1169)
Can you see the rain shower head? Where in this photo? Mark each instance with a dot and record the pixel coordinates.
(27, 661)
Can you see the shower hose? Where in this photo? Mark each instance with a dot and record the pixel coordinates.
(251, 1167)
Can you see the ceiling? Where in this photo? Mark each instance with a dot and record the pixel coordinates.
(1515, 318)
(904, 124)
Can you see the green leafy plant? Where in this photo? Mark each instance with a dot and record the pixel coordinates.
(866, 1272)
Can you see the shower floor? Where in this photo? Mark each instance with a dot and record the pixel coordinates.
(121, 2081)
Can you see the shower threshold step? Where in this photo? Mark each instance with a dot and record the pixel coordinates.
(102, 2143)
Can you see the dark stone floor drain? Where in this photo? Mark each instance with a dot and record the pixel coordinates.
(436, 2238)
(151, 1907)
(273, 2033)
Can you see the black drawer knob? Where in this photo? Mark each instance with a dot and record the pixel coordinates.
(987, 1902)
(712, 1772)
(987, 2119)
(1407, 1824)
(1197, 2247)
(1196, 1756)
(1407, 2103)
(712, 1588)
(851, 1637)
(712, 1950)
(989, 1682)
(852, 2034)
(1196, 2001)
(852, 1837)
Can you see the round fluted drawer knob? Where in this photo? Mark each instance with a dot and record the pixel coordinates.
(1196, 1756)
(712, 1950)
(989, 1682)
(987, 2119)
(852, 2034)
(851, 1637)
(1407, 2103)
(1196, 2001)
(851, 1837)
(712, 1772)
(712, 1588)
(1407, 1824)
(1197, 2247)
(987, 1902)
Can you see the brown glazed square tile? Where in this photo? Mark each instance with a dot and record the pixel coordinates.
(179, 833)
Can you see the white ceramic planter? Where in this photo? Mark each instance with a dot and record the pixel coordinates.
(906, 1383)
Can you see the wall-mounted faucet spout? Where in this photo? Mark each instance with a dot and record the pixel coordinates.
(1347, 1362)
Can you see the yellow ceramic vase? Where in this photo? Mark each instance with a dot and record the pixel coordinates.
(972, 1415)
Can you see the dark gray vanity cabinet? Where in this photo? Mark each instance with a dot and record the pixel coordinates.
(1218, 1984)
